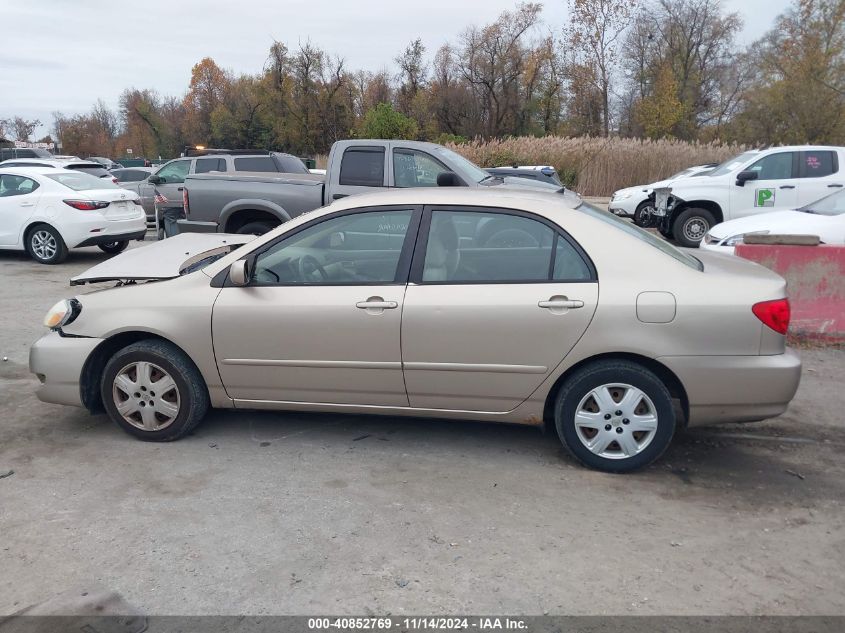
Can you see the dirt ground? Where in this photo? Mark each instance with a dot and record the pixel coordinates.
(266, 513)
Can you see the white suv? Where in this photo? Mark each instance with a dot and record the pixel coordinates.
(757, 181)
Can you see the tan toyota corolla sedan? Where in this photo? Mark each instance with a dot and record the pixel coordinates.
(509, 307)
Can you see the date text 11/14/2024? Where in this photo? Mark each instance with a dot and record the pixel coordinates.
(417, 623)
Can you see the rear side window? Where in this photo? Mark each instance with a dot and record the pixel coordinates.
(818, 163)
(495, 247)
(256, 163)
(362, 167)
(16, 186)
(205, 165)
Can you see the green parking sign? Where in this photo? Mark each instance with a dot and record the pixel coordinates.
(765, 198)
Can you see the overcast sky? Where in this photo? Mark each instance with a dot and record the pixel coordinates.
(65, 54)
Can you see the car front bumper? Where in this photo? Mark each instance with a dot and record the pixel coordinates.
(715, 247)
(736, 388)
(57, 361)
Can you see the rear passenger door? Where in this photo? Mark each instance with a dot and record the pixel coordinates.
(361, 171)
(818, 171)
(497, 298)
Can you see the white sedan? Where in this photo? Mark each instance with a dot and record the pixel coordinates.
(633, 202)
(824, 218)
(46, 211)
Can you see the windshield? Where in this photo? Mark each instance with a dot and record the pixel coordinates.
(834, 204)
(80, 181)
(729, 165)
(641, 234)
(462, 166)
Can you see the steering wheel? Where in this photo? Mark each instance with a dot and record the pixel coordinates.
(309, 264)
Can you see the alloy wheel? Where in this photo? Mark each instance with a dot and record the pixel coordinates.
(616, 421)
(146, 396)
(44, 244)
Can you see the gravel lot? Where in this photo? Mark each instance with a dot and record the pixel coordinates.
(265, 513)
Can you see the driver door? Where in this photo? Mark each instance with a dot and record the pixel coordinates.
(172, 176)
(320, 319)
(776, 187)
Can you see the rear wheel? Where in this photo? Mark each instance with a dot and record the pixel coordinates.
(45, 245)
(112, 248)
(255, 228)
(152, 390)
(691, 225)
(615, 416)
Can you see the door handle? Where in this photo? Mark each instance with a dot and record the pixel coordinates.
(561, 303)
(27, 204)
(376, 304)
(834, 185)
(787, 186)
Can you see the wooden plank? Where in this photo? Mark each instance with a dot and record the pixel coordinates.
(785, 239)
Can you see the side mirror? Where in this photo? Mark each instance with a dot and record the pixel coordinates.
(448, 179)
(744, 176)
(239, 272)
(154, 179)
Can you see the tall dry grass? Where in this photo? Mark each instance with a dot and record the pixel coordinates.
(596, 166)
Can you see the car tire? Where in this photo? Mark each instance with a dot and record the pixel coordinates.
(113, 248)
(255, 228)
(45, 245)
(644, 215)
(641, 420)
(129, 384)
(690, 226)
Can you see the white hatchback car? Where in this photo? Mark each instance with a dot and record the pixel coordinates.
(46, 211)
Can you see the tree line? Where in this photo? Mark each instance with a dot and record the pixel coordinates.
(657, 69)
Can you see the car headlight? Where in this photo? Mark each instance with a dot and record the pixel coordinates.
(64, 312)
(623, 195)
(733, 240)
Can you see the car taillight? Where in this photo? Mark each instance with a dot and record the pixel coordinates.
(185, 204)
(774, 314)
(137, 201)
(86, 205)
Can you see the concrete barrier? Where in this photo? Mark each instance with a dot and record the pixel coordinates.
(815, 277)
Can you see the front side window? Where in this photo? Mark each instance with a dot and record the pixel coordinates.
(174, 172)
(362, 167)
(256, 163)
(16, 186)
(352, 249)
(818, 163)
(774, 167)
(415, 169)
(497, 247)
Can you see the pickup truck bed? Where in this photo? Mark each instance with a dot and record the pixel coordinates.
(229, 202)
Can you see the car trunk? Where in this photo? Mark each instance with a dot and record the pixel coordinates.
(121, 204)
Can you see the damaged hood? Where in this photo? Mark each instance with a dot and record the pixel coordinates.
(165, 259)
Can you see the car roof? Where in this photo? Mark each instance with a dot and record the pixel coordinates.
(29, 171)
(494, 197)
(52, 162)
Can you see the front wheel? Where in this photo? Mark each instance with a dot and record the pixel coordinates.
(691, 225)
(644, 215)
(615, 416)
(45, 245)
(113, 248)
(152, 390)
